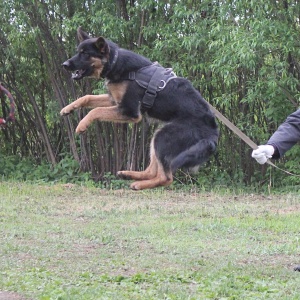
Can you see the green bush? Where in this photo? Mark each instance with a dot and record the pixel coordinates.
(16, 168)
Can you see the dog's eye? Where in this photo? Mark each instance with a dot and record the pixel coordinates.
(84, 54)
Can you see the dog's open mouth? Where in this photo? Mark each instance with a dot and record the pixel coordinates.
(78, 74)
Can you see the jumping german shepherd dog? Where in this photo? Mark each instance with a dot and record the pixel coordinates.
(136, 86)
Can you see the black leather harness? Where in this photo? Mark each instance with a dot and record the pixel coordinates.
(154, 79)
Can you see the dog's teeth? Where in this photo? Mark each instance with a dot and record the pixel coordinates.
(75, 74)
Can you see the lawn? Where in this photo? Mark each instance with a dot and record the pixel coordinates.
(71, 242)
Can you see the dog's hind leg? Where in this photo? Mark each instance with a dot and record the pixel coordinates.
(155, 175)
(162, 178)
(90, 101)
(149, 173)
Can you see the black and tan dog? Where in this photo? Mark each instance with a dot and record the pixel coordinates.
(137, 86)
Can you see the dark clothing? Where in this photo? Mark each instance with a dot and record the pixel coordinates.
(287, 135)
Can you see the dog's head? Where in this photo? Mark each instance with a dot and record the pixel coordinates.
(91, 58)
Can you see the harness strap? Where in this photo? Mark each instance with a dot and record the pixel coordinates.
(152, 78)
(151, 91)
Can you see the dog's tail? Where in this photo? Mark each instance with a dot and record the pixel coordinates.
(194, 156)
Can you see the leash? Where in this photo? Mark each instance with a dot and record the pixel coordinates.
(244, 137)
(11, 116)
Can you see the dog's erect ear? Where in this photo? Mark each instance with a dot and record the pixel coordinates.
(81, 35)
(102, 45)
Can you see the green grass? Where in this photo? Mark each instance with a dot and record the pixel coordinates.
(70, 242)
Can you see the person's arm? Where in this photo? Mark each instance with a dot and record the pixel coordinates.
(283, 139)
(287, 135)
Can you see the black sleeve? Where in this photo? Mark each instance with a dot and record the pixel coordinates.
(287, 135)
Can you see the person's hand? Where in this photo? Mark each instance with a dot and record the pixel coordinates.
(262, 153)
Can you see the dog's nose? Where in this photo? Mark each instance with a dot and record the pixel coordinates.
(66, 65)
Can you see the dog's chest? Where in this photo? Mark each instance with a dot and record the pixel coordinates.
(117, 91)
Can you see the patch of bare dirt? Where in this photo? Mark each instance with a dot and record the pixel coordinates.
(288, 210)
(11, 296)
(286, 261)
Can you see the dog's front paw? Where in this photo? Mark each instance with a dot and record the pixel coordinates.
(81, 128)
(66, 110)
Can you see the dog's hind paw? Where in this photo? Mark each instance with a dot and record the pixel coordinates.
(123, 175)
(297, 268)
(136, 186)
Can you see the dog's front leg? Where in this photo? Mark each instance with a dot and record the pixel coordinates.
(109, 114)
(90, 101)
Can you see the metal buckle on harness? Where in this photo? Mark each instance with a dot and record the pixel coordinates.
(131, 76)
(163, 84)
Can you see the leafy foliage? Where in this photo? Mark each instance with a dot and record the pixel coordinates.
(67, 170)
